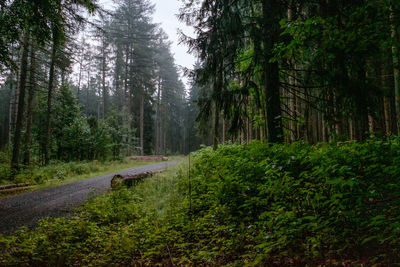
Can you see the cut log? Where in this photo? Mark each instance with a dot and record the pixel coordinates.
(149, 158)
(129, 179)
(15, 190)
(8, 186)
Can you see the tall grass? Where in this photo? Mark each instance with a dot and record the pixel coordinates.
(59, 173)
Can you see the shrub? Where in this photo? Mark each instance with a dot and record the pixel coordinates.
(308, 203)
(4, 158)
(5, 172)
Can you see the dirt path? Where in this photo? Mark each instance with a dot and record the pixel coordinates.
(25, 209)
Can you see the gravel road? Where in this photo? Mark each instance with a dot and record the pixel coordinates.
(25, 209)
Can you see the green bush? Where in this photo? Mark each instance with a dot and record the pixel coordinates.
(5, 172)
(56, 171)
(308, 203)
(259, 204)
(4, 158)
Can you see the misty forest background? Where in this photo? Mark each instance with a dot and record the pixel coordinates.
(74, 91)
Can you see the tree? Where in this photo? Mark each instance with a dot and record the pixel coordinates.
(295, 70)
(31, 93)
(21, 103)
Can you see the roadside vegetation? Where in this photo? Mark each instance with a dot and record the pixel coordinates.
(256, 204)
(62, 172)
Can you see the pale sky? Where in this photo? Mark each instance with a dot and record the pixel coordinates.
(165, 13)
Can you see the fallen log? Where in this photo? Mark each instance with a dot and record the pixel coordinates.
(130, 179)
(149, 158)
(8, 186)
(15, 189)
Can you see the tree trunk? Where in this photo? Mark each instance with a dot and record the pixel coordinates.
(386, 104)
(223, 131)
(271, 73)
(88, 85)
(103, 81)
(80, 71)
(10, 103)
(158, 126)
(49, 100)
(292, 102)
(142, 124)
(396, 71)
(21, 103)
(324, 129)
(31, 92)
(216, 128)
(16, 96)
(274, 115)
(361, 106)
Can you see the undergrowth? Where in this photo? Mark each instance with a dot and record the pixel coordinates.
(62, 172)
(260, 204)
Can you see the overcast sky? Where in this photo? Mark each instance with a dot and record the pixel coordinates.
(165, 13)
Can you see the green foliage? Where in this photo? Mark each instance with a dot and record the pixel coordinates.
(59, 172)
(38, 17)
(333, 201)
(120, 228)
(258, 204)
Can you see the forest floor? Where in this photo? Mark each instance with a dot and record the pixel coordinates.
(25, 209)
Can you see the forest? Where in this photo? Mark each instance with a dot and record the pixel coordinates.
(290, 123)
(297, 70)
(74, 89)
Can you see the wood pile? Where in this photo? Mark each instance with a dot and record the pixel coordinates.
(149, 158)
(14, 188)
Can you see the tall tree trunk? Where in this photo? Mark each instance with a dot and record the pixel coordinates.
(21, 103)
(324, 129)
(31, 92)
(103, 81)
(216, 128)
(10, 104)
(80, 72)
(271, 72)
(223, 130)
(117, 77)
(274, 113)
(292, 81)
(99, 104)
(126, 93)
(164, 143)
(362, 105)
(158, 121)
(396, 68)
(49, 100)
(88, 85)
(386, 104)
(142, 124)
(16, 95)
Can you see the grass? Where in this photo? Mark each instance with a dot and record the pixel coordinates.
(107, 168)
